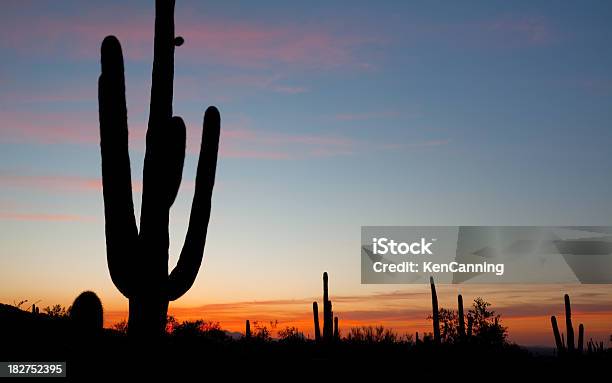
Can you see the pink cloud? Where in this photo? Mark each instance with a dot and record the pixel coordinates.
(227, 42)
(239, 140)
(63, 183)
(57, 183)
(41, 217)
(57, 128)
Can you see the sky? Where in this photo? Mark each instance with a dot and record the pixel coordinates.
(335, 115)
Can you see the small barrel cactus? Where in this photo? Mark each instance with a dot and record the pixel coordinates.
(87, 314)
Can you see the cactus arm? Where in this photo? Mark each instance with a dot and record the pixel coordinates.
(336, 330)
(434, 311)
(120, 224)
(555, 327)
(580, 338)
(184, 274)
(176, 158)
(315, 314)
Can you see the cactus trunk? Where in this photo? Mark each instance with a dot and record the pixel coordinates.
(138, 259)
(470, 323)
(568, 324)
(247, 332)
(434, 311)
(315, 315)
(461, 317)
(580, 338)
(328, 314)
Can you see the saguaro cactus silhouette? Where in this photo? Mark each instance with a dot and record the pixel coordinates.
(435, 314)
(559, 339)
(460, 317)
(138, 259)
(328, 314)
(247, 333)
(315, 315)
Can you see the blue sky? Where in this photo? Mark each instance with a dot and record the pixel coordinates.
(334, 115)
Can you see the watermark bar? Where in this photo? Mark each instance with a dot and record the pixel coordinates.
(32, 369)
(486, 254)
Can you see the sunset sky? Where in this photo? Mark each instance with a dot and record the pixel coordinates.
(334, 115)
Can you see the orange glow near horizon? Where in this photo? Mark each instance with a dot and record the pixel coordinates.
(527, 317)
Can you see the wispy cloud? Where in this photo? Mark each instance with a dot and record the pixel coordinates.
(526, 29)
(366, 116)
(227, 42)
(268, 82)
(47, 182)
(43, 217)
(253, 143)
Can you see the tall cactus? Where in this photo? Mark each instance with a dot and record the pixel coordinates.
(460, 317)
(435, 314)
(247, 333)
(328, 314)
(580, 338)
(138, 260)
(559, 339)
(470, 324)
(568, 324)
(315, 314)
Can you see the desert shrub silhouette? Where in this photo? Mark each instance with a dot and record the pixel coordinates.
(138, 258)
(292, 335)
(87, 314)
(371, 335)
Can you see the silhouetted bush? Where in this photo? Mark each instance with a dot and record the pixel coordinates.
(372, 335)
(57, 311)
(291, 335)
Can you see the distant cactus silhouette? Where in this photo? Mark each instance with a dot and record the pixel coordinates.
(568, 324)
(460, 317)
(87, 314)
(35, 309)
(336, 330)
(138, 260)
(470, 324)
(580, 338)
(435, 314)
(315, 314)
(328, 314)
(559, 338)
(247, 333)
(593, 347)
